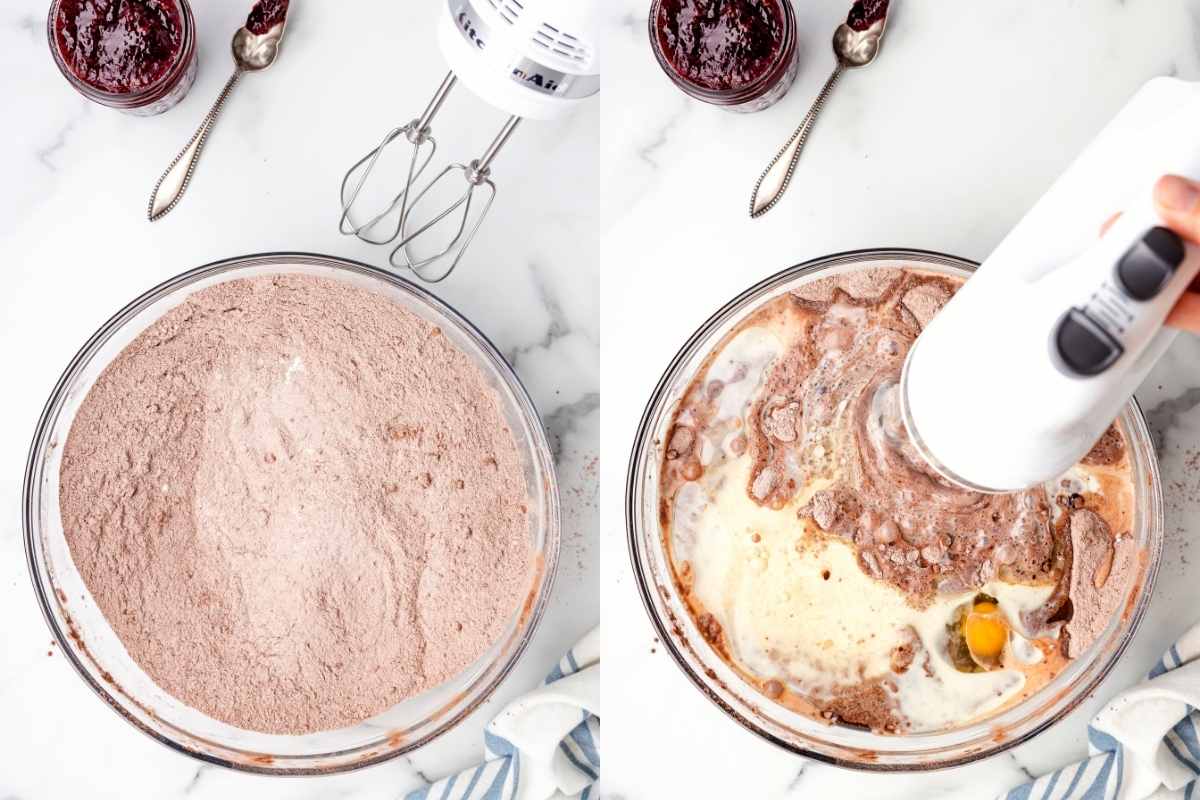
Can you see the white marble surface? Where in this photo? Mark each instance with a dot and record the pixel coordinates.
(971, 110)
(75, 246)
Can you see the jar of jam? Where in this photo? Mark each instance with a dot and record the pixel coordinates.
(737, 54)
(135, 55)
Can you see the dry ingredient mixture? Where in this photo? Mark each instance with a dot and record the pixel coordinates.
(297, 504)
(826, 562)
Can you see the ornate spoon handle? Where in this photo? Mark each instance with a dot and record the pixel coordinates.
(775, 178)
(174, 182)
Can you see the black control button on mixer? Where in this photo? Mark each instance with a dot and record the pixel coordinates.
(1083, 346)
(1147, 266)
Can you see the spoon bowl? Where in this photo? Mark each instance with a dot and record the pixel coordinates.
(253, 52)
(857, 48)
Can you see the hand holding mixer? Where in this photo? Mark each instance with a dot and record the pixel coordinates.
(534, 59)
(1027, 365)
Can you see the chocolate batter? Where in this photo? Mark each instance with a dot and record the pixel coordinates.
(826, 445)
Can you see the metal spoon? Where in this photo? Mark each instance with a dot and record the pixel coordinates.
(251, 53)
(853, 48)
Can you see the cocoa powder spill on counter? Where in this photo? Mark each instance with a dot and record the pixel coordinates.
(297, 504)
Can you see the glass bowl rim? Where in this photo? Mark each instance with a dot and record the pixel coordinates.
(662, 628)
(500, 367)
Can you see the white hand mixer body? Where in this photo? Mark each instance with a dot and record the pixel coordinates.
(532, 58)
(1026, 366)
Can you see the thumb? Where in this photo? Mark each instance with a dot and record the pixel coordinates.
(1178, 202)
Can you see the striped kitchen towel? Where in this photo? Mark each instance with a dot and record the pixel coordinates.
(542, 746)
(1143, 744)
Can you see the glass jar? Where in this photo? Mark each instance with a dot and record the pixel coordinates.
(163, 92)
(755, 94)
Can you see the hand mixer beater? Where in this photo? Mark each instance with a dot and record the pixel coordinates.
(535, 59)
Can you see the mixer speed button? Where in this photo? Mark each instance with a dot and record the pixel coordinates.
(1083, 346)
(1147, 266)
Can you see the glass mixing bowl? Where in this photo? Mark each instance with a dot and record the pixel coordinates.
(836, 744)
(92, 647)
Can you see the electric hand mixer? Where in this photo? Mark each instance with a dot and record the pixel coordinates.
(534, 59)
(1023, 370)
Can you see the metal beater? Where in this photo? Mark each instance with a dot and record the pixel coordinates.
(419, 134)
(477, 175)
(517, 58)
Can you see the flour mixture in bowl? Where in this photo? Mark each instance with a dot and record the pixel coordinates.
(831, 568)
(297, 504)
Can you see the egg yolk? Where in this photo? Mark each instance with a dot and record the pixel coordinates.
(985, 631)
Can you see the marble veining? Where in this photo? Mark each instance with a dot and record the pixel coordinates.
(1163, 415)
(76, 246)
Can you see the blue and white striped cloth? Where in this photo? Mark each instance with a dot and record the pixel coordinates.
(1144, 743)
(542, 746)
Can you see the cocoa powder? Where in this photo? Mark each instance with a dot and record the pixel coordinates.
(1101, 565)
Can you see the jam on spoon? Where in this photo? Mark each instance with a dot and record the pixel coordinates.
(865, 13)
(265, 15)
(119, 46)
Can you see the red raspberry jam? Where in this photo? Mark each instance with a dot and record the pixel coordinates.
(265, 15)
(119, 46)
(865, 13)
(720, 44)
(738, 54)
(135, 55)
